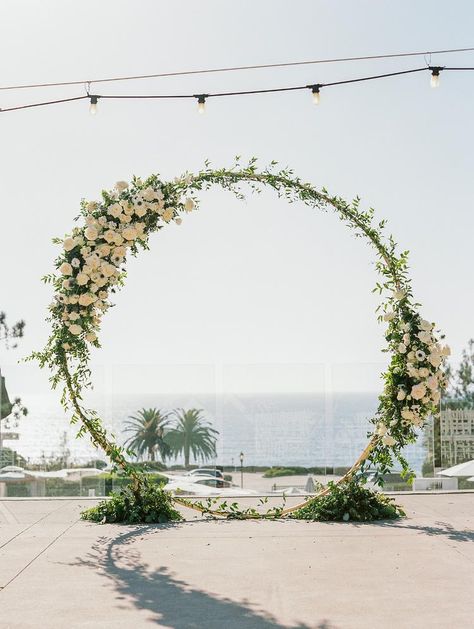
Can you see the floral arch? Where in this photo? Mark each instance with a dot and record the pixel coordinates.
(91, 267)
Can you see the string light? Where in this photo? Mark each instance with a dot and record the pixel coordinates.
(201, 103)
(93, 105)
(315, 90)
(202, 98)
(435, 70)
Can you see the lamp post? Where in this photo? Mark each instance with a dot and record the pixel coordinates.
(241, 457)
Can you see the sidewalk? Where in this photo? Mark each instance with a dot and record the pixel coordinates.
(57, 572)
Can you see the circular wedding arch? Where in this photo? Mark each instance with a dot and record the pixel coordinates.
(91, 267)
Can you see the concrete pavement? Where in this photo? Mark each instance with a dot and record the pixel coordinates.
(58, 572)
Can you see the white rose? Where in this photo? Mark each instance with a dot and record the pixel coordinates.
(425, 325)
(108, 270)
(402, 348)
(432, 383)
(388, 316)
(388, 440)
(119, 251)
(66, 346)
(407, 414)
(423, 372)
(69, 244)
(129, 233)
(121, 186)
(82, 279)
(65, 268)
(149, 194)
(103, 250)
(114, 210)
(140, 210)
(73, 316)
(86, 300)
(168, 214)
(418, 391)
(399, 294)
(91, 337)
(91, 206)
(75, 329)
(401, 395)
(425, 337)
(435, 359)
(91, 233)
(189, 204)
(381, 429)
(109, 236)
(446, 351)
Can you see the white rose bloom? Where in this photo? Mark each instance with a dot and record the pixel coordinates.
(125, 218)
(69, 244)
(109, 236)
(108, 270)
(74, 316)
(91, 233)
(189, 204)
(65, 268)
(432, 383)
(388, 440)
(66, 284)
(149, 194)
(66, 346)
(168, 214)
(129, 233)
(120, 251)
(103, 250)
(446, 351)
(73, 299)
(425, 337)
(91, 206)
(128, 209)
(381, 429)
(93, 261)
(435, 359)
(418, 391)
(388, 316)
(407, 414)
(82, 279)
(399, 294)
(406, 339)
(118, 239)
(423, 372)
(75, 329)
(401, 395)
(141, 210)
(115, 210)
(76, 263)
(425, 325)
(402, 348)
(86, 299)
(91, 337)
(121, 186)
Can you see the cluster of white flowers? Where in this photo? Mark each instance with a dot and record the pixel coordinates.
(94, 255)
(419, 357)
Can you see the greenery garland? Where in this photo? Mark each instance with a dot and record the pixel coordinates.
(91, 267)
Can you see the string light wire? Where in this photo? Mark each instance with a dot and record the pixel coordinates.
(235, 93)
(239, 68)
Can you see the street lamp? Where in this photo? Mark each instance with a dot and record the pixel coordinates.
(241, 457)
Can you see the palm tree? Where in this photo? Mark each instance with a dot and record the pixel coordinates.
(148, 427)
(191, 433)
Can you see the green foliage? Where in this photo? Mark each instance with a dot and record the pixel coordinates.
(8, 333)
(149, 504)
(191, 433)
(349, 501)
(11, 457)
(274, 472)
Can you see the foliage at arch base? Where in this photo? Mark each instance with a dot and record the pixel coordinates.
(92, 267)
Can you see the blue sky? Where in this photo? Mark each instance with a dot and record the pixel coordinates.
(260, 283)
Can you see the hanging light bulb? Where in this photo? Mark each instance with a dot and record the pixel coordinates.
(316, 94)
(93, 105)
(435, 76)
(315, 90)
(201, 103)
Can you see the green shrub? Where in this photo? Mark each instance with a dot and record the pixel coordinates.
(349, 501)
(150, 505)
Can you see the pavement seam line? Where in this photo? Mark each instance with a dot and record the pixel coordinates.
(3, 587)
(32, 525)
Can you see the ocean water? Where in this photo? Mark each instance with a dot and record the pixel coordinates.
(270, 429)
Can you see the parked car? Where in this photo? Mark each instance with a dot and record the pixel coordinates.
(205, 471)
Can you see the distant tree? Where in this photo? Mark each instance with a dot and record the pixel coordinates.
(148, 428)
(7, 333)
(191, 433)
